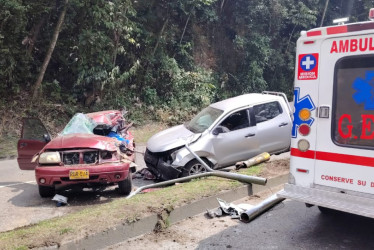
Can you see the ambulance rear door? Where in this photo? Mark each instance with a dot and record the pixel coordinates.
(345, 124)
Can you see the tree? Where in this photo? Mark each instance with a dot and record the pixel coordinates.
(50, 49)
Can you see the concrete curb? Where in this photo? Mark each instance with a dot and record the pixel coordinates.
(147, 224)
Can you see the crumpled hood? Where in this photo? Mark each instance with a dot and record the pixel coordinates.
(170, 138)
(82, 141)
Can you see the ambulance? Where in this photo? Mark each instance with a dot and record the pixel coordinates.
(332, 145)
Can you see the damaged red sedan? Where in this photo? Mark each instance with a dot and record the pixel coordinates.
(94, 150)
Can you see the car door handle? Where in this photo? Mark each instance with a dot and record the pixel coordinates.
(22, 144)
(250, 135)
(283, 124)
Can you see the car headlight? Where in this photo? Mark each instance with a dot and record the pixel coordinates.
(49, 158)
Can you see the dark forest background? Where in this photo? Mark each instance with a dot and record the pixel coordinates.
(161, 59)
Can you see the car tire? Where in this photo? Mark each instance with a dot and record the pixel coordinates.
(125, 186)
(194, 167)
(46, 191)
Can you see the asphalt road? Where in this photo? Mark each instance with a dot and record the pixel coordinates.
(289, 225)
(21, 205)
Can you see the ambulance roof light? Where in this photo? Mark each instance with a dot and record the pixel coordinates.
(371, 14)
(341, 21)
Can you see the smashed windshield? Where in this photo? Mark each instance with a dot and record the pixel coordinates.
(80, 123)
(203, 120)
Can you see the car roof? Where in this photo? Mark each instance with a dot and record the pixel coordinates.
(244, 100)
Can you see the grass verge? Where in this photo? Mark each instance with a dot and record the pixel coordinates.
(143, 133)
(101, 217)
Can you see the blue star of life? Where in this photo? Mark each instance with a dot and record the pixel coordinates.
(303, 103)
(364, 90)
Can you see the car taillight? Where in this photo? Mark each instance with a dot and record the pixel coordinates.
(304, 129)
(303, 145)
(301, 170)
(304, 114)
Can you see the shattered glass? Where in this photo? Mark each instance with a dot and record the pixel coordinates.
(80, 123)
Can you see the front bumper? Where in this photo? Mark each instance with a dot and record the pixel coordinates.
(100, 174)
(161, 169)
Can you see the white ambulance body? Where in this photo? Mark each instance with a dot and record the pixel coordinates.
(332, 148)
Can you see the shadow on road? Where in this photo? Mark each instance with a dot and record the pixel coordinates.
(28, 195)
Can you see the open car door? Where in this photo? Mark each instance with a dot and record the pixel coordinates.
(34, 137)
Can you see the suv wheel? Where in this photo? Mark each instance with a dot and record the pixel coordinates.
(125, 186)
(46, 191)
(194, 167)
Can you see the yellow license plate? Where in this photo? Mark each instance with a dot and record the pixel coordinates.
(79, 174)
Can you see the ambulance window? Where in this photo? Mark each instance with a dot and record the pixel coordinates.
(353, 109)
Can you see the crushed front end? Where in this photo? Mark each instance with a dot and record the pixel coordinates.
(160, 164)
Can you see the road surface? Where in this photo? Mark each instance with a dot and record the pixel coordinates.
(289, 225)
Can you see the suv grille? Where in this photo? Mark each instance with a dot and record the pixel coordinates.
(81, 157)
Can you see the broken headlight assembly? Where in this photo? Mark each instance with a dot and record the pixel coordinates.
(50, 158)
(123, 147)
(170, 156)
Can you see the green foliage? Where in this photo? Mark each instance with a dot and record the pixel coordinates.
(160, 59)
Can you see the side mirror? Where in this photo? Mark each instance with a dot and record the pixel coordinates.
(218, 130)
(47, 138)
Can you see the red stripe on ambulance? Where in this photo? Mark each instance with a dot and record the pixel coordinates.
(314, 33)
(336, 30)
(334, 157)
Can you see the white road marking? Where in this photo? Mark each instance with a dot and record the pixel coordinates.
(15, 184)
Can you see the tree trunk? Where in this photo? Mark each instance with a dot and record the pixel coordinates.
(324, 12)
(35, 33)
(185, 27)
(50, 50)
(159, 36)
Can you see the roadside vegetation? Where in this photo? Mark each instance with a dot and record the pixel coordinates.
(162, 60)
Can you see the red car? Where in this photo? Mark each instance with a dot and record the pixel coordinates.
(93, 150)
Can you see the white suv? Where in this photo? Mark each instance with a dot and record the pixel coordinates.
(222, 134)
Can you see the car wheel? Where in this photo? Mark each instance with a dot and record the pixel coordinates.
(194, 167)
(46, 191)
(125, 186)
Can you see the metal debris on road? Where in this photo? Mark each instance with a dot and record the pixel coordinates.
(228, 208)
(253, 161)
(61, 200)
(260, 208)
(144, 174)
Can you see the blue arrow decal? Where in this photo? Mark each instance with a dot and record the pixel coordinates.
(303, 103)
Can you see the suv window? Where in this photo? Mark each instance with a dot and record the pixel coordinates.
(235, 121)
(267, 111)
(33, 129)
(353, 108)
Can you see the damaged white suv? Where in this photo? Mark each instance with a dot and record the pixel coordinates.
(222, 134)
